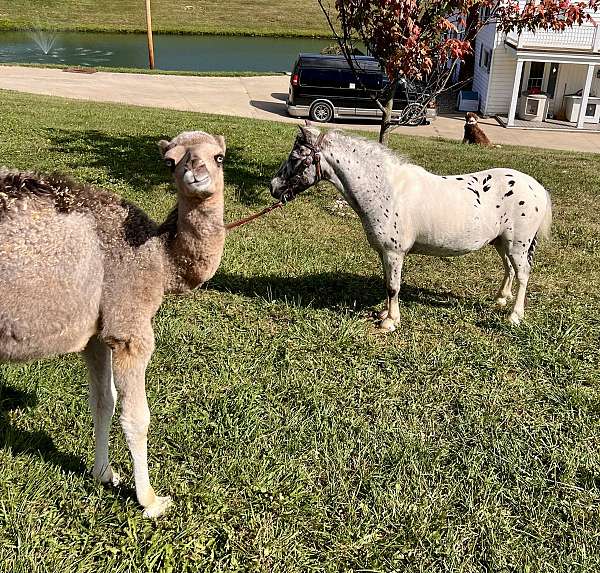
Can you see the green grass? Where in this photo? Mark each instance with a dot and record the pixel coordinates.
(232, 17)
(293, 436)
(155, 72)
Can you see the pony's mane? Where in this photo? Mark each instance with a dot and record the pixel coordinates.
(372, 147)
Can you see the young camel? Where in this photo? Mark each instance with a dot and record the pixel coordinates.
(82, 270)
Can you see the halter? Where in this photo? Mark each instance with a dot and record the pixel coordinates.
(316, 155)
(315, 150)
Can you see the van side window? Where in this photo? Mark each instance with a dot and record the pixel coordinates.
(372, 81)
(316, 77)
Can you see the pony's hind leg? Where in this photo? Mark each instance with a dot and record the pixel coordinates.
(504, 293)
(392, 269)
(102, 404)
(521, 261)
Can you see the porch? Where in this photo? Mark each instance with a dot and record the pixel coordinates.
(554, 90)
(549, 124)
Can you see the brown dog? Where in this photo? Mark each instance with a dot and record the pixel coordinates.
(473, 133)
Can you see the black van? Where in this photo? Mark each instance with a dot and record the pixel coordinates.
(325, 88)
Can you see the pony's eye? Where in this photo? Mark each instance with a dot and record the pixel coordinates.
(219, 159)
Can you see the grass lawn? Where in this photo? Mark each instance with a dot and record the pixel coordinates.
(260, 17)
(292, 436)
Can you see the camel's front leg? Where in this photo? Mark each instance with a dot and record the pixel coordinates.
(102, 404)
(130, 358)
(392, 270)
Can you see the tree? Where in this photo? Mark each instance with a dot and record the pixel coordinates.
(415, 40)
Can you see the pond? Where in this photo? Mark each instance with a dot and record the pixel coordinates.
(172, 52)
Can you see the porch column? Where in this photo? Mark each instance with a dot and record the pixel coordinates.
(586, 95)
(515, 94)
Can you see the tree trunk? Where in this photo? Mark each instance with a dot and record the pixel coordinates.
(386, 120)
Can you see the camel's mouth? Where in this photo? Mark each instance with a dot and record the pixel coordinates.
(197, 184)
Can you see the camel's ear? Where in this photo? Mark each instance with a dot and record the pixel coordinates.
(163, 145)
(174, 155)
(221, 141)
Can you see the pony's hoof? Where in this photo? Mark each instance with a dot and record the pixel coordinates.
(514, 318)
(158, 507)
(501, 301)
(388, 325)
(382, 315)
(107, 477)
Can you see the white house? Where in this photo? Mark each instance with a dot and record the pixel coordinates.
(538, 77)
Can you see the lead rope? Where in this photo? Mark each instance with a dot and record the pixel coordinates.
(255, 216)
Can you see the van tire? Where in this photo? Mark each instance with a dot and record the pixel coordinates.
(321, 111)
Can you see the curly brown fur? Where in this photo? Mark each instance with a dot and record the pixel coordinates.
(474, 135)
(82, 270)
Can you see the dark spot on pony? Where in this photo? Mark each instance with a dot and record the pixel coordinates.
(511, 183)
(522, 214)
(486, 188)
(536, 209)
(460, 178)
(508, 194)
(497, 206)
(521, 202)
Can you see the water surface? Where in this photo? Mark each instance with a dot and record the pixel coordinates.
(184, 52)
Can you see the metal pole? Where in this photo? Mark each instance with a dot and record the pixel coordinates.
(149, 28)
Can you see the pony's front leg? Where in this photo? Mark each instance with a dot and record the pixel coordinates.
(392, 270)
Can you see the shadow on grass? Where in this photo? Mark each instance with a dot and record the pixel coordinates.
(135, 160)
(326, 290)
(38, 443)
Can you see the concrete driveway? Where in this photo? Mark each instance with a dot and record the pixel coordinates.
(255, 97)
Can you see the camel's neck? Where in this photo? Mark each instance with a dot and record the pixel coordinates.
(358, 175)
(194, 250)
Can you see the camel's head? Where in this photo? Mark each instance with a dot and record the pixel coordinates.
(196, 160)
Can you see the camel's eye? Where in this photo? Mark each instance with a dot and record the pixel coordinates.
(219, 159)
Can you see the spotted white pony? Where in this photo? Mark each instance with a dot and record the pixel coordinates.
(405, 209)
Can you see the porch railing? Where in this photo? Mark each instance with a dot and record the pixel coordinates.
(585, 38)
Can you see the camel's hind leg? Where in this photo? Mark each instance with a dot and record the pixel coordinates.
(102, 404)
(130, 358)
(504, 293)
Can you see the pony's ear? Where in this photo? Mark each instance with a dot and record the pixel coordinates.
(308, 132)
(221, 141)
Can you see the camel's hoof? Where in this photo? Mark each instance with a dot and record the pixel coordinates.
(388, 325)
(158, 507)
(108, 477)
(514, 318)
(382, 315)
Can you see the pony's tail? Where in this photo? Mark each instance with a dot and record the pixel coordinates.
(544, 230)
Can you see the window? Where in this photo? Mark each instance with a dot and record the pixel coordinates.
(321, 78)
(536, 77)
(485, 58)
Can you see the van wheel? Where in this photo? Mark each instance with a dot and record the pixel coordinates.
(321, 112)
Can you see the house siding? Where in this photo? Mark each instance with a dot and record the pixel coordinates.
(481, 77)
(504, 65)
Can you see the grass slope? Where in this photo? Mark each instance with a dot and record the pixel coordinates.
(292, 436)
(260, 17)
